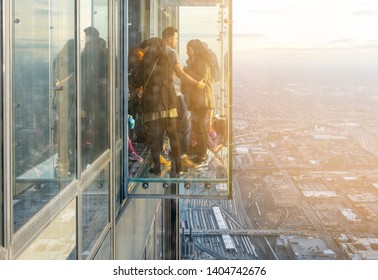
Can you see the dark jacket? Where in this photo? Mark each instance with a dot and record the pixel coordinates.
(197, 98)
(159, 98)
(94, 76)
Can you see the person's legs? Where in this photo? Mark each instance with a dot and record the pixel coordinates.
(184, 132)
(199, 122)
(154, 132)
(171, 127)
(133, 155)
(183, 124)
(130, 146)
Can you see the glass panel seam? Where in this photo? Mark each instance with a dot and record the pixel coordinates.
(95, 169)
(7, 128)
(100, 240)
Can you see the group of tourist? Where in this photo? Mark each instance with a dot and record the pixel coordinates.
(172, 102)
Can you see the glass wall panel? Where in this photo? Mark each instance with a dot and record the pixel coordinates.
(120, 194)
(94, 80)
(159, 234)
(119, 101)
(133, 228)
(43, 103)
(150, 244)
(63, 46)
(95, 211)
(179, 98)
(58, 241)
(105, 250)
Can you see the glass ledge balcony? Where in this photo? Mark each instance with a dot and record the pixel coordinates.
(207, 21)
(210, 180)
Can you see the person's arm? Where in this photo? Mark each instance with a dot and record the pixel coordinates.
(186, 78)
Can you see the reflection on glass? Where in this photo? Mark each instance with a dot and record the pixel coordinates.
(44, 104)
(119, 114)
(119, 180)
(64, 105)
(186, 141)
(94, 81)
(58, 240)
(119, 71)
(150, 246)
(95, 209)
(159, 234)
(104, 253)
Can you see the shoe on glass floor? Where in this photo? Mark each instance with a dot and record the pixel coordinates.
(187, 162)
(164, 162)
(155, 172)
(201, 160)
(179, 174)
(135, 157)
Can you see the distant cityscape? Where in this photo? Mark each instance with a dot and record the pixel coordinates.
(305, 156)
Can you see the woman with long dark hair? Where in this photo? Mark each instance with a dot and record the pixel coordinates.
(158, 103)
(200, 101)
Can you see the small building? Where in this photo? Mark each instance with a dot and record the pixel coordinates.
(309, 249)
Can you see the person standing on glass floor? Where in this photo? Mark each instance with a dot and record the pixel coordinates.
(170, 38)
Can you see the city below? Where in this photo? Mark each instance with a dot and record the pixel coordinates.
(305, 175)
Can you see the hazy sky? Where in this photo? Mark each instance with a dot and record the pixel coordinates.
(306, 30)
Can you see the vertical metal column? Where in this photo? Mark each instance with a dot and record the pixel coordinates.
(79, 170)
(171, 217)
(8, 169)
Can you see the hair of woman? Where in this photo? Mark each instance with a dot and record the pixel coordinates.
(199, 50)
